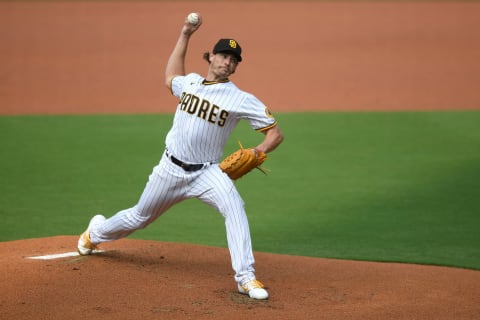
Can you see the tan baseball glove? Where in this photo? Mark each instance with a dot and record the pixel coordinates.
(242, 161)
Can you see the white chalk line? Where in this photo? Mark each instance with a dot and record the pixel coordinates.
(60, 255)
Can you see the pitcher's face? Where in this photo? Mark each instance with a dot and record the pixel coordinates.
(222, 65)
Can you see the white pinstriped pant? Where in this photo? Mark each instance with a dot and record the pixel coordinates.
(169, 184)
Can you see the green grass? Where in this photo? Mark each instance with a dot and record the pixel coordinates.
(402, 186)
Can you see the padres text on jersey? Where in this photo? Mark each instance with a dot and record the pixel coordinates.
(203, 109)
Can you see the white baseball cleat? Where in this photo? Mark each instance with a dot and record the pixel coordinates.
(85, 246)
(255, 289)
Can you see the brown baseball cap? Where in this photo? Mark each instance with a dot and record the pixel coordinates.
(230, 46)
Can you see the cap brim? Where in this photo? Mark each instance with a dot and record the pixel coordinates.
(239, 58)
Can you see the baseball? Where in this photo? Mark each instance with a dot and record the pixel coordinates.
(193, 18)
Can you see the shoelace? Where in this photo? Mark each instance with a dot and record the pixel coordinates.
(254, 284)
(88, 243)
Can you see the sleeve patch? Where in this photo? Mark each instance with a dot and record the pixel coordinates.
(268, 113)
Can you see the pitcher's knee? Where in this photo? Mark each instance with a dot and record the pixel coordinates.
(136, 221)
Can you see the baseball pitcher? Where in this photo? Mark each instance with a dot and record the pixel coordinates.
(208, 110)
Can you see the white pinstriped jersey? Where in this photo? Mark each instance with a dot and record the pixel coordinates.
(207, 114)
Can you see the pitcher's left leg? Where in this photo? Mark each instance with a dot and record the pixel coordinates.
(216, 189)
(239, 244)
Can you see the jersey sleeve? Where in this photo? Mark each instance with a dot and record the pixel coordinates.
(257, 114)
(179, 83)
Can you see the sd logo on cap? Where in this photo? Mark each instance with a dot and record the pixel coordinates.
(230, 46)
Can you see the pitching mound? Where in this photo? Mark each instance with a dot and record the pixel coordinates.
(135, 279)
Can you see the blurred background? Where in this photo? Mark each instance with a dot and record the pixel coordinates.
(109, 56)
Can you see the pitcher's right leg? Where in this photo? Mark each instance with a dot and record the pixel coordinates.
(162, 190)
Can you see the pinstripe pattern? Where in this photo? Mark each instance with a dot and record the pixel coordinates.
(205, 117)
(194, 139)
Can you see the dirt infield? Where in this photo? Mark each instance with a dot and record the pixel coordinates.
(135, 279)
(108, 57)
